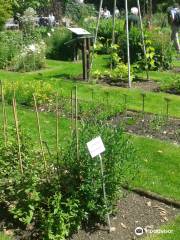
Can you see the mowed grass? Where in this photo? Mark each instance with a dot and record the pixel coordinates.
(4, 237)
(173, 225)
(28, 122)
(159, 167)
(159, 161)
(61, 74)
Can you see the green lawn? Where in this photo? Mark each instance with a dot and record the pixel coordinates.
(57, 73)
(159, 171)
(173, 225)
(4, 237)
(27, 120)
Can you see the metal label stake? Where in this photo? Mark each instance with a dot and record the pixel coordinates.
(96, 147)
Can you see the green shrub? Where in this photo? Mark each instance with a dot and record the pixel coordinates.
(83, 175)
(56, 45)
(78, 12)
(57, 200)
(20, 52)
(5, 12)
(10, 45)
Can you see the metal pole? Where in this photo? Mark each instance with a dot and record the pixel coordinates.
(111, 229)
(95, 38)
(128, 51)
(98, 21)
(114, 22)
(142, 35)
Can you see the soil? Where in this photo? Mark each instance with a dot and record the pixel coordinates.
(145, 85)
(149, 125)
(176, 70)
(132, 211)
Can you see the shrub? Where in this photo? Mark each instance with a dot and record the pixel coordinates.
(5, 12)
(83, 174)
(57, 200)
(31, 57)
(78, 12)
(21, 53)
(10, 45)
(56, 45)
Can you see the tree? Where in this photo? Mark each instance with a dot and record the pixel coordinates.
(5, 11)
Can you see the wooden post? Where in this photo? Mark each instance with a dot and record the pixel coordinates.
(18, 135)
(88, 44)
(84, 59)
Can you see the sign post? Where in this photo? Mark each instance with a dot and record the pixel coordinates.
(96, 147)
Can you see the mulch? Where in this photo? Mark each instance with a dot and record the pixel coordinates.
(132, 211)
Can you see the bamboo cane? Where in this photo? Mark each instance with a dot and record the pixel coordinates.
(39, 132)
(17, 134)
(76, 124)
(4, 115)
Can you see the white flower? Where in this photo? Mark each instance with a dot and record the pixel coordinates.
(52, 30)
(32, 47)
(48, 34)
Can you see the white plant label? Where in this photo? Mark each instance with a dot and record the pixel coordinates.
(96, 146)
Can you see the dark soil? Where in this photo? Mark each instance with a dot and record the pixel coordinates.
(133, 211)
(149, 125)
(145, 85)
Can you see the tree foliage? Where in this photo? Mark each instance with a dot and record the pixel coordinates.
(5, 11)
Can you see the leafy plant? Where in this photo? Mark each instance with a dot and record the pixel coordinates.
(82, 173)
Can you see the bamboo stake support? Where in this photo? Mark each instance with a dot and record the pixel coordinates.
(72, 112)
(4, 115)
(39, 131)
(17, 134)
(57, 125)
(76, 125)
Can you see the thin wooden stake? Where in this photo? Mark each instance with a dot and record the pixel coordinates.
(76, 124)
(72, 112)
(18, 135)
(39, 131)
(57, 124)
(4, 115)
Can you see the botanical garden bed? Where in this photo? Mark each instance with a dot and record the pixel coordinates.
(132, 211)
(150, 125)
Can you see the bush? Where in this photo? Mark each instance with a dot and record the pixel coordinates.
(83, 175)
(56, 45)
(55, 201)
(5, 12)
(21, 53)
(10, 45)
(78, 12)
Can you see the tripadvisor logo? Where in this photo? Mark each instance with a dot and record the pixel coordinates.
(139, 231)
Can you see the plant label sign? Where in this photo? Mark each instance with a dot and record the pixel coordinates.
(96, 146)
